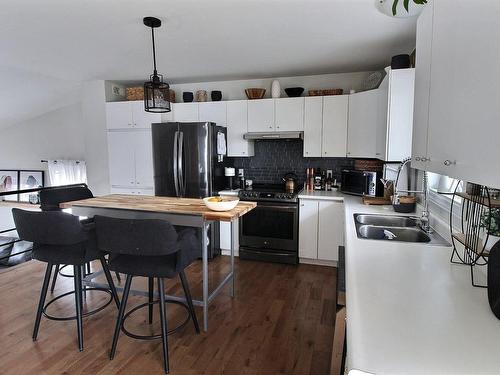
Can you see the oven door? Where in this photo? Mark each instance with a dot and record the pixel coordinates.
(270, 226)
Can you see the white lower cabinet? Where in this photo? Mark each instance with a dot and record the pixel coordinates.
(321, 229)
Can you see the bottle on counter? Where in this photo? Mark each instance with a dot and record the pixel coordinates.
(317, 179)
(329, 182)
(323, 180)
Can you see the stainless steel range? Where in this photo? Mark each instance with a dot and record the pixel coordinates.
(270, 231)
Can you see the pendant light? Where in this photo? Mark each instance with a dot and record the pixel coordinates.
(156, 92)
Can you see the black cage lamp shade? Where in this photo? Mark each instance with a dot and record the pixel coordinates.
(156, 92)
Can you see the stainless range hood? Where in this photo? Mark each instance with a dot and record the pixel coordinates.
(274, 135)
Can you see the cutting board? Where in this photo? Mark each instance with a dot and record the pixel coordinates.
(376, 201)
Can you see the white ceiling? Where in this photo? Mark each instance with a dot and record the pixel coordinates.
(48, 47)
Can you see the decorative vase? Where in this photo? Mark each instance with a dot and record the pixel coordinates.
(216, 96)
(187, 96)
(275, 89)
(201, 96)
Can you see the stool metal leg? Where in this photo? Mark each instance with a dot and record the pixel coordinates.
(41, 302)
(82, 275)
(52, 287)
(110, 281)
(150, 292)
(121, 312)
(189, 300)
(163, 320)
(78, 299)
(118, 277)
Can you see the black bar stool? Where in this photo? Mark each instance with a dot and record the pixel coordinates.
(50, 200)
(152, 249)
(60, 238)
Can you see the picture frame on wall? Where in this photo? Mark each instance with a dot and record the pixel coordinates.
(30, 180)
(9, 181)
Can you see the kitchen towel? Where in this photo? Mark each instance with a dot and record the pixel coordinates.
(221, 143)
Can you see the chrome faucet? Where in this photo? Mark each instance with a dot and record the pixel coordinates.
(424, 216)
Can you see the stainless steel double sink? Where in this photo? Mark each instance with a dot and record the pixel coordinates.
(395, 228)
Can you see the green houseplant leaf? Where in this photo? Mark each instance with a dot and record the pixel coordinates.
(406, 4)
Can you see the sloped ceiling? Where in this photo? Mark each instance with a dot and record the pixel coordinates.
(48, 47)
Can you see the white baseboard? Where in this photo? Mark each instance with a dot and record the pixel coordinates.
(228, 252)
(318, 262)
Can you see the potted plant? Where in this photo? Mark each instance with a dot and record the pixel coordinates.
(406, 4)
(491, 220)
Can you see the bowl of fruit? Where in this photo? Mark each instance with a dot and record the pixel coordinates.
(221, 203)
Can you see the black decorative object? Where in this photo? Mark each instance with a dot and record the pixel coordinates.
(494, 279)
(472, 236)
(294, 92)
(156, 92)
(216, 96)
(187, 96)
(400, 62)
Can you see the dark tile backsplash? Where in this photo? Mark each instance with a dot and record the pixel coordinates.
(273, 159)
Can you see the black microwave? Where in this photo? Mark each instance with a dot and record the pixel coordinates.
(365, 183)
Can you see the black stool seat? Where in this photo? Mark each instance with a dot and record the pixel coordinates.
(58, 238)
(152, 249)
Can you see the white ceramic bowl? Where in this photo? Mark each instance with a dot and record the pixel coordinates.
(227, 204)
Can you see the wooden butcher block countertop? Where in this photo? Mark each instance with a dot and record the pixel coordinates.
(182, 206)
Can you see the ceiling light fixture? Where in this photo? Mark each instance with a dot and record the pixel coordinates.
(401, 8)
(156, 92)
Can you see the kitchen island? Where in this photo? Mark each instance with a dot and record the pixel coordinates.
(178, 211)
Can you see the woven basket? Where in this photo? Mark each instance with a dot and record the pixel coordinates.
(137, 93)
(368, 165)
(326, 92)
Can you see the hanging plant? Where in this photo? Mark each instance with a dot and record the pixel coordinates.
(406, 4)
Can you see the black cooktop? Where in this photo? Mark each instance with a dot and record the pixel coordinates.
(269, 192)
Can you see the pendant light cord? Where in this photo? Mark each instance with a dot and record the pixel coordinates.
(154, 51)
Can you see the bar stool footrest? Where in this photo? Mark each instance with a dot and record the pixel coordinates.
(88, 313)
(155, 337)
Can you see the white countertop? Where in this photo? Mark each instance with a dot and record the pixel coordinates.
(321, 195)
(410, 311)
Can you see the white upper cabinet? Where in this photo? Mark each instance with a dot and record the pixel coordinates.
(143, 119)
(463, 116)
(399, 114)
(313, 126)
(363, 127)
(422, 87)
(186, 112)
(237, 120)
(261, 115)
(130, 114)
(289, 114)
(335, 113)
(213, 112)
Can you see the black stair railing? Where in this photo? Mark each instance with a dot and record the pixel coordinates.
(15, 192)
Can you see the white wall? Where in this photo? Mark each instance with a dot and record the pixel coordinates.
(234, 90)
(95, 136)
(54, 135)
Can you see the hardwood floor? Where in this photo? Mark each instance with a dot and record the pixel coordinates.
(280, 322)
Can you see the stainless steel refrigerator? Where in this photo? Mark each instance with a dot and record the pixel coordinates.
(189, 161)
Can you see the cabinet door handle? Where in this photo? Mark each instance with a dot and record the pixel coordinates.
(449, 162)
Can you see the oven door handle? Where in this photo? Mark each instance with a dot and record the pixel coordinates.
(271, 252)
(276, 207)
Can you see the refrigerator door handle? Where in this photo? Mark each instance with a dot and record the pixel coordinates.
(182, 184)
(175, 161)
